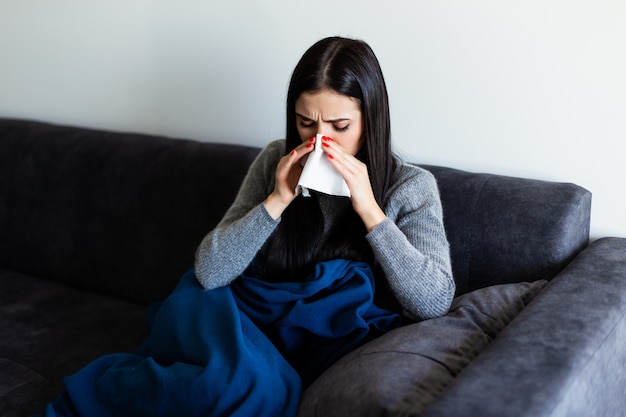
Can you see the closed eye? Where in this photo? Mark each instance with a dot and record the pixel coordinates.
(305, 122)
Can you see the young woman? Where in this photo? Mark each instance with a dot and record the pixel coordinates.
(393, 218)
(286, 284)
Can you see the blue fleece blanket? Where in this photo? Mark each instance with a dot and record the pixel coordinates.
(240, 350)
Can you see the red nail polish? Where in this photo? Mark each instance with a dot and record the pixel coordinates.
(330, 156)
(310, 145)
(312, 139)
(326, 138)
(326, 145)
(293, 152)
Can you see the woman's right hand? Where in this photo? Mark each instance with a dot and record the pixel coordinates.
(287, 175)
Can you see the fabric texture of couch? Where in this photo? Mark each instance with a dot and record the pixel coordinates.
(95, 225)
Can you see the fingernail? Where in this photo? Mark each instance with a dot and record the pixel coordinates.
(293, 152)
(312, 139)
(330, 156)
(326, 138)
(326, 145)
(310, 145)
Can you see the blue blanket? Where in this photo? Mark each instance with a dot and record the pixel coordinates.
(240, 350)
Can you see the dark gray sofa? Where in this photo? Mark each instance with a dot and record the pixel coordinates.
(95, 225)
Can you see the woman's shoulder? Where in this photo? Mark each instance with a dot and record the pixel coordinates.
(260, 177)
(277, 145)
(412, 177)
(411, 187)
(269, 156)
(274, 150)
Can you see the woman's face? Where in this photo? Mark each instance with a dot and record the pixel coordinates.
(331, 114)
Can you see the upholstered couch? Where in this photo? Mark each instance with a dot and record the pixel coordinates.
(95, 225)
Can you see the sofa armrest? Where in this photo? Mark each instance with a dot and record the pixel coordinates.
(563, 355)
(505, 229)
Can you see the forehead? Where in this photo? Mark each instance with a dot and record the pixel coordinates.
(328, 103)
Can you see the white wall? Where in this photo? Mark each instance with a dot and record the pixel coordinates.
(533, 88)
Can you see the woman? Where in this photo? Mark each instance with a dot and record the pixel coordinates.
(392, 219)
(301, 270)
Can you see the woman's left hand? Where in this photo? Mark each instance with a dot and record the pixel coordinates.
(354, 172)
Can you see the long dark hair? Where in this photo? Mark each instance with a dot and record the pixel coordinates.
(348, 67)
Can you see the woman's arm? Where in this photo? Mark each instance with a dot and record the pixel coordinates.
(267, 190)
(412, 248)
(227, 250)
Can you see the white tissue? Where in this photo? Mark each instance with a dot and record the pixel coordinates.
(320, 175)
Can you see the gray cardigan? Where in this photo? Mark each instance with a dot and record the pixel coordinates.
(410, 245)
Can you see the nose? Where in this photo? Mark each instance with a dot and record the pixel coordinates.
(325, 129)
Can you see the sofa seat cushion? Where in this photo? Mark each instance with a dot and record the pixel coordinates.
(50, 331)
(405, 370)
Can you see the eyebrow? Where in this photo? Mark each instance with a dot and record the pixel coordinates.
(340, 119)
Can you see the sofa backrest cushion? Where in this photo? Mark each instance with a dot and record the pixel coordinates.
(504, 229)
(112, 212)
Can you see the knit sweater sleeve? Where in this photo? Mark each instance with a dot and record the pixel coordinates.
(226, 251)
(411, 245)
